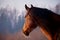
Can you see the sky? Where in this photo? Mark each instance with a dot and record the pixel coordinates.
(19, 4)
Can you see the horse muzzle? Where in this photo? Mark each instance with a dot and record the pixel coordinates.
(26, 33)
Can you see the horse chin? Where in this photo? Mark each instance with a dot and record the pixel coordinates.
(26, 33)
(26, 36)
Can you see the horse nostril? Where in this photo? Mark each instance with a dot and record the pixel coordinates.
(26, 33)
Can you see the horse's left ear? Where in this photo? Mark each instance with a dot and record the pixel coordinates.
(31, 5)
(26, 7)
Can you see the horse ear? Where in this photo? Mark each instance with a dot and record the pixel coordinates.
(26, 7)
(31, 5)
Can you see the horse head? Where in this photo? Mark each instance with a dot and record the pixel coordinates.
(29, 24)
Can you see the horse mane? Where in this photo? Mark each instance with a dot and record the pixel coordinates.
(40, 12)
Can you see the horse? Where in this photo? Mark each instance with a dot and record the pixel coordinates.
(48, 21)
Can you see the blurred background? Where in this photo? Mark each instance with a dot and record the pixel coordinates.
(12, 14)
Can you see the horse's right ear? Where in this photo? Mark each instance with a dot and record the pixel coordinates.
(26, 7)
(31, 6)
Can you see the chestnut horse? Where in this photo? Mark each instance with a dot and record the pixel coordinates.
(48, 21)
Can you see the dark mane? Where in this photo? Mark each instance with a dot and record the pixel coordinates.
(45, 14)
(41, 12)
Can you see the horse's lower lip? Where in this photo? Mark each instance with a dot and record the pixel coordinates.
(26, 36)
(26, 33)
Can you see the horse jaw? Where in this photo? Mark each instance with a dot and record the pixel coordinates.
(25, 35)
